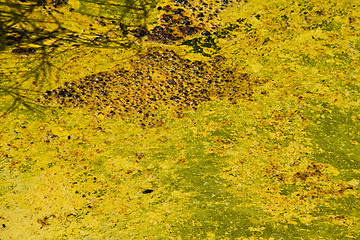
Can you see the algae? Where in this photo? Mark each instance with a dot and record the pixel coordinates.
(274, 159)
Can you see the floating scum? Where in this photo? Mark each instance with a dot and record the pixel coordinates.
(171, 147)
(157, 78)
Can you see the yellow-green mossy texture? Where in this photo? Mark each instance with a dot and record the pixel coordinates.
(223, 120)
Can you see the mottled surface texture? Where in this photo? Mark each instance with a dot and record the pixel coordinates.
(156, 78)
(180, 119)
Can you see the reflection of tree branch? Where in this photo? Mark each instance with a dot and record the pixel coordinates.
(19, 100)
(139, 10)
(23, 34)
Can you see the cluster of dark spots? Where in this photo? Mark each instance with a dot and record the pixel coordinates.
(182, 2)
(54, 3)
(24, 51)
(183, 18)
(164, 34)
(57, 3)
(157, 79)
(178, 11)
(165, 18)
(312, 170)
(309, 174)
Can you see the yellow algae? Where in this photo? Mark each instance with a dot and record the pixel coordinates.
(143, 90)
(248, 113)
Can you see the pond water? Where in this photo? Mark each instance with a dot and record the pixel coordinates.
(179, 119)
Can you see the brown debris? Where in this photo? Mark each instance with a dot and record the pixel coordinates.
(158, 79)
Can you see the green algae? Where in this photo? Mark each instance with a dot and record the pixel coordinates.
(281, 164)
(335, 138)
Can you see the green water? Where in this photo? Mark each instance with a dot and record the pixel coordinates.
(280, 163)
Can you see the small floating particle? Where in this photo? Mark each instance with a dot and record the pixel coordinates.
(147, 191)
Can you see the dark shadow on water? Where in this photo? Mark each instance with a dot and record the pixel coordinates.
(23, 36)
